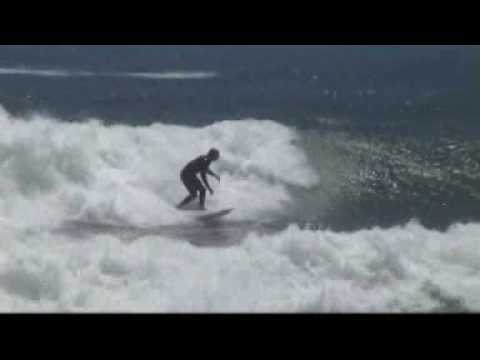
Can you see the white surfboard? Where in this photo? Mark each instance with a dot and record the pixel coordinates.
(212, 215)
(207, 215)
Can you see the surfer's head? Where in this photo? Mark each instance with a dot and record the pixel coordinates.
(213, 154)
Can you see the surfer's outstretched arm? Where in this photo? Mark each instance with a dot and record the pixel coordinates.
(210, 172)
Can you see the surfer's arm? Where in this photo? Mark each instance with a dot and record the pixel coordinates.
(210, 172)
(203, 175)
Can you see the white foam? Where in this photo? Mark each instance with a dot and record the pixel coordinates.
(53, 170)
(403, 269)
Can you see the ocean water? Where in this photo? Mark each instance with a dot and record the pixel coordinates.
(353, 172)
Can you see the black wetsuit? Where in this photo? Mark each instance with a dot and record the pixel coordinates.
(189, 176)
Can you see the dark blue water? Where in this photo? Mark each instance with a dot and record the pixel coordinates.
(397, 126)
(288, 83)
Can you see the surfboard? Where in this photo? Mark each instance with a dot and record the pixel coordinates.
(207, 215)
(213, 215)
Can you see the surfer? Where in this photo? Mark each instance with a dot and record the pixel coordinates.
(189, 178)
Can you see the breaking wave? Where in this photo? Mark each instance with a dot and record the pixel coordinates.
(54, 171)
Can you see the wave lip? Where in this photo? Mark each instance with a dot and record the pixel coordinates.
(43, 72)
(170, 75)
(174, 75)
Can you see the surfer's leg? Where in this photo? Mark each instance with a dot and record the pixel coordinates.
(202, 198)
(190, 184)
(187, 201)
(199, 188)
